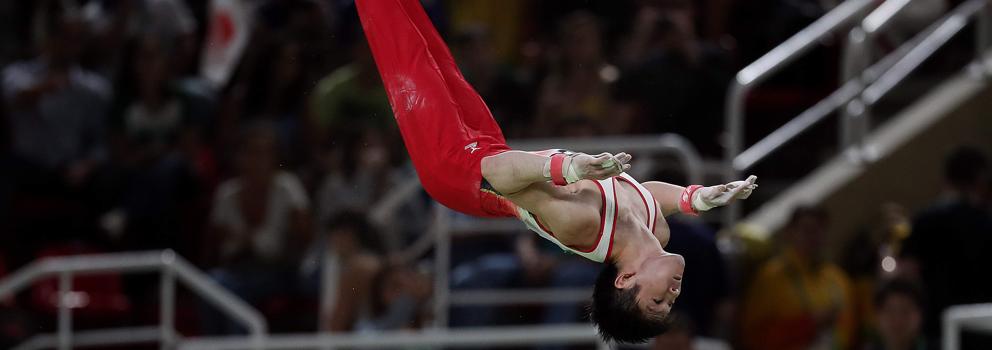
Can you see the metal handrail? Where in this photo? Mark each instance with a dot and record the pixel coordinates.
(858, 76)
(859, 93)
(487, 337)
(858, 53)
(769, 64)
(946, 28)
(520, 296)
(958, 317)
(167, 262)
(102, 337)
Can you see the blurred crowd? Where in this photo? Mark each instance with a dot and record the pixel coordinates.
(112, 140)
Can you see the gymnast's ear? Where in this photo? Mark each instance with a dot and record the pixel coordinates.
(624, 280)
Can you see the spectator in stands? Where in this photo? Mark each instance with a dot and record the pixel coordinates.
(305, 21)
(363, 169)
(709, 305)
(899, 317)
(351, 98)
(349, 264)
(709, 308)
(55, 111)
(400, 296)
(116, 23)
(673, 81)
(259, 223)
(577, 89)
(798, 300)
(507, 94)
(679, 335)
(505, 23)
(870, 257)
(531, 264)
(156, 145)
(950, 239)
(272, 85)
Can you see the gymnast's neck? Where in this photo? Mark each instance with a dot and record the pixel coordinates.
(632, 248)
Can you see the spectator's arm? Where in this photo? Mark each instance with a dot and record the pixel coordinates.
(223, 244)
(354, 290)
(299, 219)
(846, 324)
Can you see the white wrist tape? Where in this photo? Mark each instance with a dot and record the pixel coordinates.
(698, 203)
(569, 172)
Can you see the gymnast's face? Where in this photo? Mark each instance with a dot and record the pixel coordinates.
(661, 283)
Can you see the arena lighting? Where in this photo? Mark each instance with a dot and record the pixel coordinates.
(888, 264)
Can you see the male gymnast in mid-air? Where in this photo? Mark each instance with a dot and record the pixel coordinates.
(585, 204)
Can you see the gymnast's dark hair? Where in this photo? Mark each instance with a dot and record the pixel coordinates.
(616, 314)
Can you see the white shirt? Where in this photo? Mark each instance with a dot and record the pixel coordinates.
(286, 194)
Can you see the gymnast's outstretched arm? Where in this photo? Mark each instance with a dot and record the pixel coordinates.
(524, 178)
(512, 171)
(674, 198)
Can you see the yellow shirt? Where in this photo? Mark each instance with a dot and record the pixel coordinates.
(793, 305)
(501, 17)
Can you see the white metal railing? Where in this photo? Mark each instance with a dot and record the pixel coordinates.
(769, 64)
(959, 317)
(863, 84)
(857, 71)
(488, 337)
(171, 266)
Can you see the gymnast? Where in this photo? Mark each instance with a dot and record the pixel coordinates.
(585, 204)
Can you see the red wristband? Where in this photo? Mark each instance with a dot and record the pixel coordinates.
(685, 201)
(557, 176)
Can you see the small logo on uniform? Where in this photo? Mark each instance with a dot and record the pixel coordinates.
(472, 147)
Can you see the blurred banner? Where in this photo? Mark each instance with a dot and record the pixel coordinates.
(230, 24)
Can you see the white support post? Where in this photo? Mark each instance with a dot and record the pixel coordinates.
(442, 266)
(167, 309)
(982, 26)
(856, 60)
(65, 312)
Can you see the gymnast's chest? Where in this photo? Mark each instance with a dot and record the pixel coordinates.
(638, 211)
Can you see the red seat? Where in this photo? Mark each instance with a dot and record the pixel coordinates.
(96, 296)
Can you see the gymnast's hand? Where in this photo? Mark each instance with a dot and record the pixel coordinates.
(717, 196)
(599, 167)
